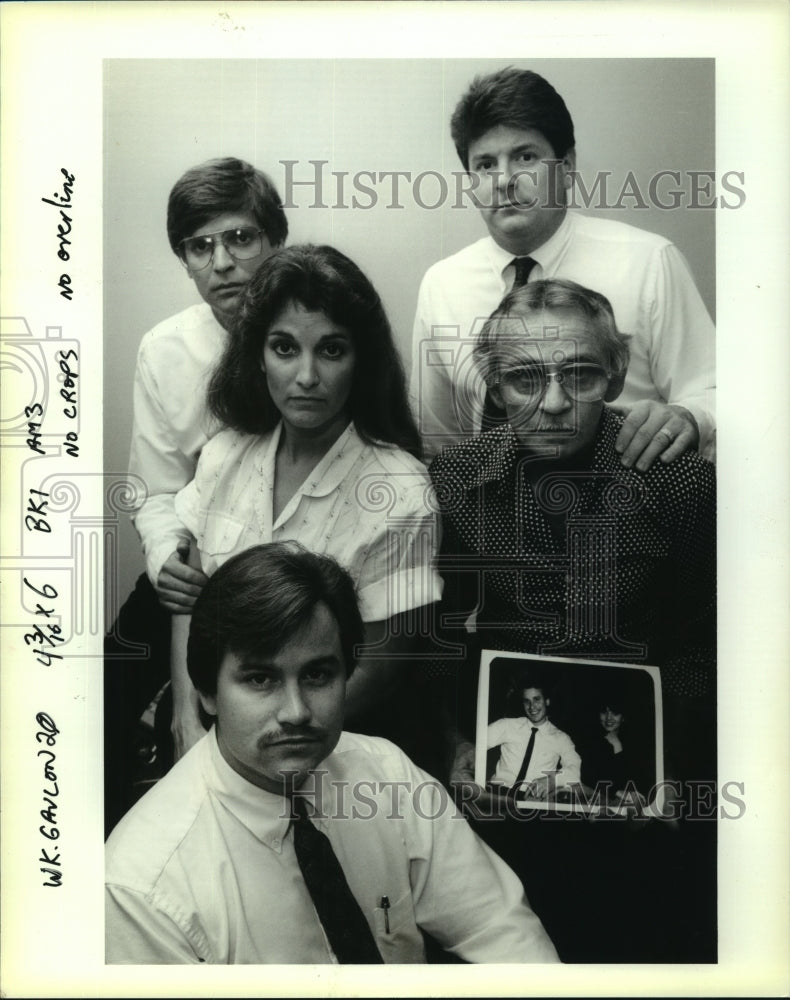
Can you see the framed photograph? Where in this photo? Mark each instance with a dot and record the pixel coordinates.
(602, 725)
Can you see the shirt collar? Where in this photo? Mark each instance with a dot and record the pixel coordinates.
(265, 814)
(605, 458)
(335, 466)
(550, 252)
(547, 255)
(330, 472)
(498, 447)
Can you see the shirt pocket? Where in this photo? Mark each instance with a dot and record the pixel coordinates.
(398, 937)
(221, 537)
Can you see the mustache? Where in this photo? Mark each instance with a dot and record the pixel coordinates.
(311, 734)
(544, 428)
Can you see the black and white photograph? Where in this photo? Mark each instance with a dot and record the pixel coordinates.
(386, 524)
(604, 748)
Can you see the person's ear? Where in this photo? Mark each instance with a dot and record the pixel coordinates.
(569, 167)
(209, 703)
(616, 384)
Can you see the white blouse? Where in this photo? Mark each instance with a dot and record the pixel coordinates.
(371, 507)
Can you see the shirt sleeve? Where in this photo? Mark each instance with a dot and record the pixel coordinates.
(465, 896)
(431, 389)
(156, 460)
(398, 572)
(496, 733)
(186, 504)
(682, 349)
(138, 932)
(570, 762)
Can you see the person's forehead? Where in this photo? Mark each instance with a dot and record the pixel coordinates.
(227, 220)
(544, 324)
(315, 640)
(296, 320)
(532, 692)
(547, 339)
(507, 137)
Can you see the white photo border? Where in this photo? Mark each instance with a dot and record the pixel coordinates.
(52, 55)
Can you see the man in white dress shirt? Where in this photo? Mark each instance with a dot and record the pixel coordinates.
(515, 137)
(224, 218)
(281, 839)
(533, 767)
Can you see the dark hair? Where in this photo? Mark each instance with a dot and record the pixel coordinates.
(219, 186)
(321, 279)
(612, 699)
(531, 680)
(514, 97)
(258, 599)
(521, 679)
(554, 293)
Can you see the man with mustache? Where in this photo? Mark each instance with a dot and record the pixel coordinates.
(551, 546)
(281, 839)
(559, 547)
(224, 217)
(515, 138)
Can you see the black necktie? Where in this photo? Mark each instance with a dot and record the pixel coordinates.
(494, 415)
(524, 267)
(525, 762)
(340, 914)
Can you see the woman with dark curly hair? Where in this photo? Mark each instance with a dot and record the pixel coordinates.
(319, 447)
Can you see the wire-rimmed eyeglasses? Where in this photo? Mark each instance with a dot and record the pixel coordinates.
(242, 243)
(583, 381)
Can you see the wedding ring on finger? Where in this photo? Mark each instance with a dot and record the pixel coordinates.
(666, 435)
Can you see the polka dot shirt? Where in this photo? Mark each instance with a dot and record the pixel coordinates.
(595, 562)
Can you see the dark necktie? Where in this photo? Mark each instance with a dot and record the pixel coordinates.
(494, 415)
(522, 773)
(341, 916)
(524, 267)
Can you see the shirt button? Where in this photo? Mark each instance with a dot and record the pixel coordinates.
(275, 843)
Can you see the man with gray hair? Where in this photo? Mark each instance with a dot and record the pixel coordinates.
(576, 554)
(558, 548)
(515, 137)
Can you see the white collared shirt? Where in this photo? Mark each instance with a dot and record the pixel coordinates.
(203, 868)
(644, 276)
(369, 506)
(171, 422)
(553, 752)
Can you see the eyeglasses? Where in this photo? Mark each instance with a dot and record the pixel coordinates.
(244, 243)
(583, 382)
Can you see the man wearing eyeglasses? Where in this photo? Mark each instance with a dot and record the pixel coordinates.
(558, 548)
(224, 218)
(515, 138)
(562, 549)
